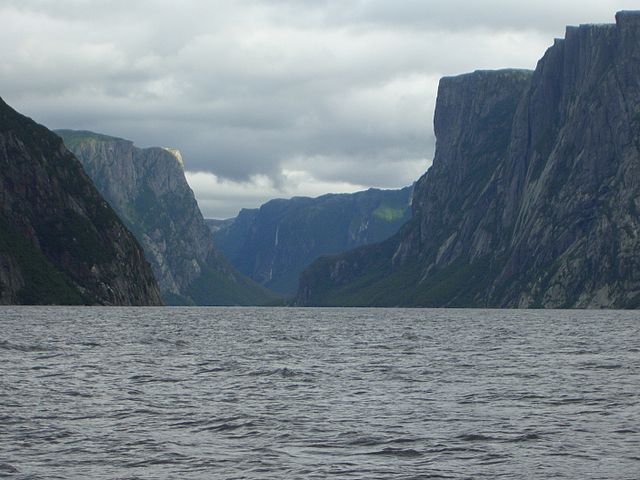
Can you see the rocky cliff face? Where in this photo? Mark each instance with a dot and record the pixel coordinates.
(274, 243)
(60, 242)
(148, 189)
(533, 196)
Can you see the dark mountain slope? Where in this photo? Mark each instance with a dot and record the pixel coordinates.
(60, 242)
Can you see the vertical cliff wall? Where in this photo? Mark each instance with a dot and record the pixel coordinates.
(148, 189)
(60, 242)
(532, 200)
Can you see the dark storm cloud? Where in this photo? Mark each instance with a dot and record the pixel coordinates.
(272, 97)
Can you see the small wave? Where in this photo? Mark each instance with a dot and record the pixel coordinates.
(397, 452)
(372, 441)
(8, 468)
(164, 380)
(164, 341)
(321, 445)
(410, 336)
(224, 427)
(475, 437)
(292, 338)
(529, 396)
(286, 372)
(49, 356)
(7, 345)
(188, 423)
(283, 372)
(214, 424)
(366, 442)
(202, 371)
(167, 459)
(493, 459)
(138, 379)
(566, 401)
(527, 437)
(136, 412)
(403, 440)
(75, 393)
(445, 449)
(609, 367)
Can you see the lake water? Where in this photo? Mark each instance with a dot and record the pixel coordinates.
(277, 393)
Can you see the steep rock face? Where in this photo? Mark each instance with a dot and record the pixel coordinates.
(533, 197)
(148, 189)
(60, 242)
(274, 243)
(577, 221)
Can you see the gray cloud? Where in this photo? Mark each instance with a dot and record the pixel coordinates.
(268, 97)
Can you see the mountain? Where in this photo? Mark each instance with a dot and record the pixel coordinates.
(148, 189)
(533, 198)
(215, 224)
(60, 242)
(273, 244)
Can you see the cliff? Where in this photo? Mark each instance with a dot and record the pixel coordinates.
(148, 189)
(60, 242)
(533, 195)
(273, 244)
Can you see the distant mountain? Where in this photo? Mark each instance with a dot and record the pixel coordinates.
(215, 224)
(60, 242)
(533, 198)
(148, 189)
(274, 243)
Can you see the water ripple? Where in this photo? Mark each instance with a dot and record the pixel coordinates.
(272, 393)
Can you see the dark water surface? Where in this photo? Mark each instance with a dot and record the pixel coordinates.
(222, 393)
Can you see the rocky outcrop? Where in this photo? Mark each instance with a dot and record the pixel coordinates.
(274, 243)
(534, 192)
(60, 242)
(148, 189)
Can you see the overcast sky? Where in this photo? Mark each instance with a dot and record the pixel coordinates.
(268, 98)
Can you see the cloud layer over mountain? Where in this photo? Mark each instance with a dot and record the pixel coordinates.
(273, 97)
